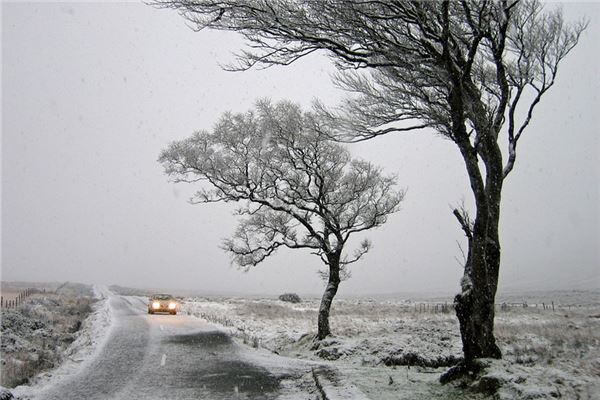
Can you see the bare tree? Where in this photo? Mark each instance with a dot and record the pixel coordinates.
(473, 71)
(300, 190)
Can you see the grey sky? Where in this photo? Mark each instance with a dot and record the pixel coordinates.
(92, 92)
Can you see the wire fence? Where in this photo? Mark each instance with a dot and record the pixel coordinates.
(18, 299)
(446, 307)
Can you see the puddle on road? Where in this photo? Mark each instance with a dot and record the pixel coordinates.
(205, 339)
(239, 377)
(218, 374)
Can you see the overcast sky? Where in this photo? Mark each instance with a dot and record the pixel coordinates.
(92, 92)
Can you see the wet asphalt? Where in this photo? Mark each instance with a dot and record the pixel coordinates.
(162, 356)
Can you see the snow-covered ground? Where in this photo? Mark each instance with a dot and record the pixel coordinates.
(88, 340)
(390, 351)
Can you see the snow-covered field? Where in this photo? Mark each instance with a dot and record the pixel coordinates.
(390, 350)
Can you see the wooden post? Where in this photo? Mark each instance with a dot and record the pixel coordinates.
(552, 305)
(1, 301)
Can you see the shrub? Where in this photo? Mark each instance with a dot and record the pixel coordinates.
(290, 297)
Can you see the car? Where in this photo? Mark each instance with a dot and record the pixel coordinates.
(162, 303)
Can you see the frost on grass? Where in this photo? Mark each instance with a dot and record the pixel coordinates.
(36, 334)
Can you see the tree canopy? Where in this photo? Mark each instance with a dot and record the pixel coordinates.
(299, 189)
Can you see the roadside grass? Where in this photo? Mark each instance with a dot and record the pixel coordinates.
(36, 334)
(533, 338)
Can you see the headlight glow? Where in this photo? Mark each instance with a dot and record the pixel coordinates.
(172, 306)
(156, 304)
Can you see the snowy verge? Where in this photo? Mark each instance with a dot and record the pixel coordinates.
(331, 387)
(90, 339)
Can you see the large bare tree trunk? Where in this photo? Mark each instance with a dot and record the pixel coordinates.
(330, 291)
(475, 303)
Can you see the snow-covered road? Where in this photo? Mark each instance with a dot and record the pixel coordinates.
(175, 357)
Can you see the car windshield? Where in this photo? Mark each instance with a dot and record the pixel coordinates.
(162, 297)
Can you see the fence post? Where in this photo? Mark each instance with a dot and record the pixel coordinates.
(1, 301)
(553, 305)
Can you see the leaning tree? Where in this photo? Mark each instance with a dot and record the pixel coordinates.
(473, 71)
(299, 189)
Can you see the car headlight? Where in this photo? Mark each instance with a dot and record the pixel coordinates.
(156, 304)
(172, 306)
